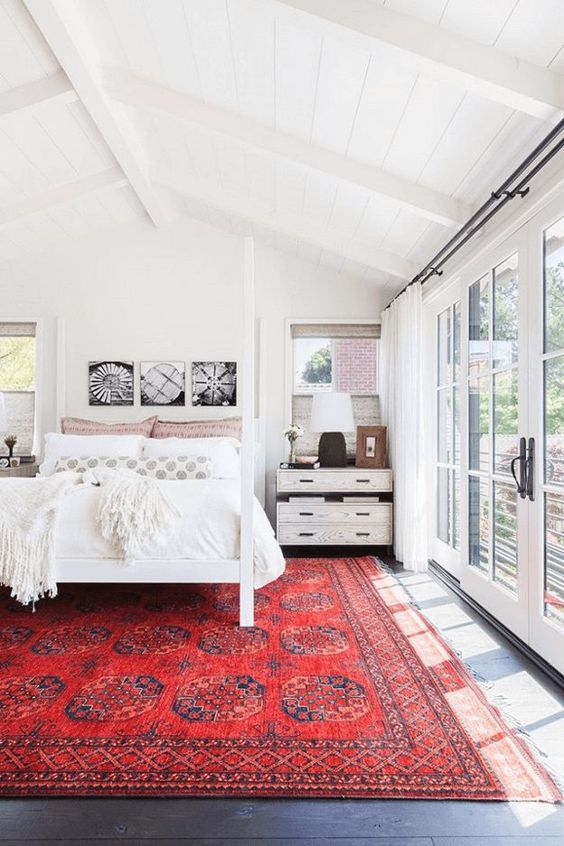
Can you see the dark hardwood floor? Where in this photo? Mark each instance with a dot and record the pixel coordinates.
(530, 698)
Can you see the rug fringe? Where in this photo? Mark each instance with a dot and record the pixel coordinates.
(499, 700)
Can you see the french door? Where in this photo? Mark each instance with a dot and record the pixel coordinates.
(497, 480)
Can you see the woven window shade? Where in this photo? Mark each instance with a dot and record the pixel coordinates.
(335, 330)
(17, 330)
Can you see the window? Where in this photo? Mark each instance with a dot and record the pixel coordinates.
(17, 382)
(334, 357)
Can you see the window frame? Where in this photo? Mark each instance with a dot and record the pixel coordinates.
(289, 354)
(39, 374)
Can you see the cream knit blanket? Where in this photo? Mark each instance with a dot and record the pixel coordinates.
(132, 512)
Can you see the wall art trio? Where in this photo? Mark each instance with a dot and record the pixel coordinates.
(162, 383)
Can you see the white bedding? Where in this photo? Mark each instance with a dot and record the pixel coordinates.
(207, 529)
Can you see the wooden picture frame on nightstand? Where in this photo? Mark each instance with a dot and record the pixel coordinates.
(371, 449)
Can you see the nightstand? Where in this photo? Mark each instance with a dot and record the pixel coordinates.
(334, 507)
(22, 470)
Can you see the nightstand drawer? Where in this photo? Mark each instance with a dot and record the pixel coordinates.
(336, 534)
(336, 512)
(334, 481)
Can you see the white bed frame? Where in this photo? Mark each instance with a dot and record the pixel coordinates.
(186, 571)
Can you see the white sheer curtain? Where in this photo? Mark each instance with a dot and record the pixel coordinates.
(401, 394)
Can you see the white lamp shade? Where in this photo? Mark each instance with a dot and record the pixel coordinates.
(3, 415)
(332, 412)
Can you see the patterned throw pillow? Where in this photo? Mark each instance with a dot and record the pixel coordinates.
(78, 426)
(228, 427)
(179, 467)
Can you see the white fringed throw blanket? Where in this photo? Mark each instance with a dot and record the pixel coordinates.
(133, 511)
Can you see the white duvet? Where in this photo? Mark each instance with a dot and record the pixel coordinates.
(208, 527)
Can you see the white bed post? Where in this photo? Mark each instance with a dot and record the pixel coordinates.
(246, 574)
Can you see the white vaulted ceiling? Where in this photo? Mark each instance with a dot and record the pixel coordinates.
(357, 135)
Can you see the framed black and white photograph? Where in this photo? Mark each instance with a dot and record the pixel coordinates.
(110, 383)
(163, 382)
(214, 383)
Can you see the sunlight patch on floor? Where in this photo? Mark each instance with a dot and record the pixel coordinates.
(531, 701)
(471, 641)
(531, 813)
(447, 616)
(423, 591)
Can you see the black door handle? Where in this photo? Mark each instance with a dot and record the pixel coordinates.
(521, 482)
(530, 470)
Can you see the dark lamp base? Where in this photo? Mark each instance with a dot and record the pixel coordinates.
(332, 450)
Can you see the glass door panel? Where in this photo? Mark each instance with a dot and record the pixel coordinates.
(495, 533)
(505, 536)
(547, 542)
(553, 600)
(445, 484)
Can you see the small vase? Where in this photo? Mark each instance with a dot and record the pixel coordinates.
(292, 456)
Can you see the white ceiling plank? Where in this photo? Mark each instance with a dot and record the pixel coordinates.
(290, 187)
(173, 44)
(427, 10)
(290, 225)
(62, 195)
(426, 119)
(534, 31)
(54, 88)
(416, 198)
(210, 38)
(251, 24)
(481, 21)
(386, 93)
(319, 197)
(342, 74)
(58, 35)
(297, 56)
(475, 67)
(348, 209)
(24, 57)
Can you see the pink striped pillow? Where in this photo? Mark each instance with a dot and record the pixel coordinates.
(229, 427)
(78, 426)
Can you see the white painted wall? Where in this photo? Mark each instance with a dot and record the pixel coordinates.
(140, 293)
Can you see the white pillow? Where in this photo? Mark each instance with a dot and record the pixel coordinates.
(58, 446)
(221, 451)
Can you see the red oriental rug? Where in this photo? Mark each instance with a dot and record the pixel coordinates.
(342, 689)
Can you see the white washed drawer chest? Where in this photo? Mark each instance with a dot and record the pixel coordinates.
(327, 507)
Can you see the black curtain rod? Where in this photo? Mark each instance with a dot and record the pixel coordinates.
(496, 201)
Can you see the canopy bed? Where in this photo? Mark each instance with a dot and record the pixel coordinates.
(223, 534)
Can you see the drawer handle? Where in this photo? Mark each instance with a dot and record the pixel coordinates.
(305, 480)
(362, 513)
(306, 534)
(306, 513)
(363, 480)
(362, 534)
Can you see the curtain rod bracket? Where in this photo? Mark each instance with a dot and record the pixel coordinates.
(497, 195)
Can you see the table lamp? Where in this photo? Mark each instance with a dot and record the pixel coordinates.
(332, 414)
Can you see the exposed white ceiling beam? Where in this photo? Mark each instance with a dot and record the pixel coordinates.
(475, 67)
(63, 194)
(426, 202)
(55, 29)
(52, 88)
(291, 225)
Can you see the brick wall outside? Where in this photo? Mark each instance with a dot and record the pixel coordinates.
(354, 363)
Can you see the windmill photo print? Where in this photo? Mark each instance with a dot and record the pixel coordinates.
(162, 382)
(110, 383)
(214, 383)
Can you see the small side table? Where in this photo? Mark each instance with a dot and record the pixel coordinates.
(22, 470)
